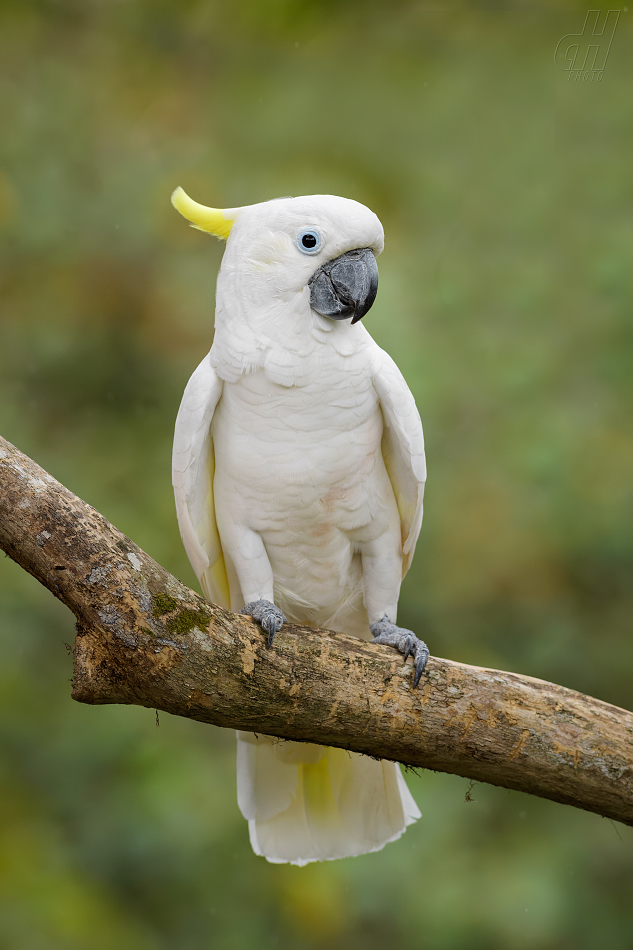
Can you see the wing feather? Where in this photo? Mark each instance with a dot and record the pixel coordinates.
(402, 449)
(193, 465)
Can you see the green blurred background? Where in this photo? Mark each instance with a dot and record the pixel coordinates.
(506, 194)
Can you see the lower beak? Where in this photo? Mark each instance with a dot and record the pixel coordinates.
(345, 287)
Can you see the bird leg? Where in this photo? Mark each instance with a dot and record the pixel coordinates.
(382, 573)
(248, 555)
(384, 631)
(269, 617)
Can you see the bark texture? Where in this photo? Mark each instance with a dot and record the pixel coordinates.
(145, 638)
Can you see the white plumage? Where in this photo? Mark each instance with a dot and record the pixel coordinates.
(298, 472)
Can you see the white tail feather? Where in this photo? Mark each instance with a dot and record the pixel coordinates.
(311, 803)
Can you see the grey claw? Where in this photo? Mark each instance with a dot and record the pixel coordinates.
(421, 659)
(270, 625)
(270, 618)
(384, 631)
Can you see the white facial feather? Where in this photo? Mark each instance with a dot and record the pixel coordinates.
(263, 314)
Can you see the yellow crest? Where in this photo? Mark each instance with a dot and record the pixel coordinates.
(212, 220)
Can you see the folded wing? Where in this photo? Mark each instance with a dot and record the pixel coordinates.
(402, 448)
(193, 466)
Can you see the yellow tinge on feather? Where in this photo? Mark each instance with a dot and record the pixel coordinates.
(213, 220)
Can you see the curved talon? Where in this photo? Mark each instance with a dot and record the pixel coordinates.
(271, 625)
(269, 630)
(405, 641)
(270, 618)
(421, 659)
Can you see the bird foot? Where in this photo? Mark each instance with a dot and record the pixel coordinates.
(383, 631)
(269, 617)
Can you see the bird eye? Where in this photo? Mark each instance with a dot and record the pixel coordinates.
(309, 242)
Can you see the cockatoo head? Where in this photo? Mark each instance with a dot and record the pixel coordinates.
(319, 250)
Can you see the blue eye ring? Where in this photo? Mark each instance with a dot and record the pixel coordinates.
(309, 241)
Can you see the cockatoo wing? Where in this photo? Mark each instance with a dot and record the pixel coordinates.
(402, 448)
(193, 467)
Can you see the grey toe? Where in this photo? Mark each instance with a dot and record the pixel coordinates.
(421, 659)
(270, 618)
(383, 631)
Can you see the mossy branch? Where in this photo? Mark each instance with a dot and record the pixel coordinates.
(145, 638)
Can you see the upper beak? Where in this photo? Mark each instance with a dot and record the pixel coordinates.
(346, 286)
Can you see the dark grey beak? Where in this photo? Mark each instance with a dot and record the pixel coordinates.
(345, 287)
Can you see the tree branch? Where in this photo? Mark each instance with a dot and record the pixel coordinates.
(145, 638)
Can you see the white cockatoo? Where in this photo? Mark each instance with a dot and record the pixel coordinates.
(298, 470)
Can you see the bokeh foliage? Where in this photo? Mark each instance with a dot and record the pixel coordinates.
(505, 297)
